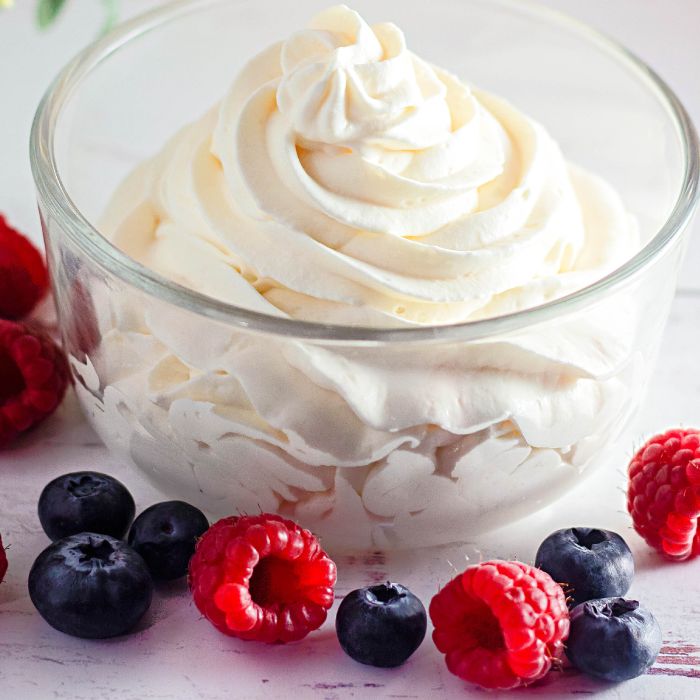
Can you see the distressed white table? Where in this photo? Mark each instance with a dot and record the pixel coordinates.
(175, 654)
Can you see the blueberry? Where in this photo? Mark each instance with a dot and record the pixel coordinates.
(85, 502)
(91, 586)
(613, 639)
(165, 535)
(591, 563)
(381, 625)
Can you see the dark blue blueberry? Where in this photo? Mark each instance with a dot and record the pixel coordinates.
(613, 639)
(165, 536)
(381, 625)
(85, 502)
(589, 563)
(90, 585)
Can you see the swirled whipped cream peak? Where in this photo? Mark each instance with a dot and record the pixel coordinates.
(345, 180)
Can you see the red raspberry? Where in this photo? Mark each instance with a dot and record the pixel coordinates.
(663, 496)
(500, 624)
(262, 578)
(3, 561)
(33, 378)
(23, 276)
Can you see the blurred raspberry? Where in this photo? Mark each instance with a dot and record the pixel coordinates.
(23, 275)
(33, 378)
(3, 561)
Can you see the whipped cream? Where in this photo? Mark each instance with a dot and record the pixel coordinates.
(344, 180)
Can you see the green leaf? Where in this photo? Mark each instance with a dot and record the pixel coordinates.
(47, 11)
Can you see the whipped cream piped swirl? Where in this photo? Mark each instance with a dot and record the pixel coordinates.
(345, 180)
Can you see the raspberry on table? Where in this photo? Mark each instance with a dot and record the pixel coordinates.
(23, 276)
(663, 495)
(262, 578)
(500, 624)
(3, 561)
(33, 378)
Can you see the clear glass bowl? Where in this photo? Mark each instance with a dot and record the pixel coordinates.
(371, 438)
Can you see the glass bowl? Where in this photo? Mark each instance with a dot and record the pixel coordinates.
(371, 438)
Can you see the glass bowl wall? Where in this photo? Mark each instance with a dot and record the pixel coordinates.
(371, 438)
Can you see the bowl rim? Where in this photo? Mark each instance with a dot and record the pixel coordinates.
(54, 197)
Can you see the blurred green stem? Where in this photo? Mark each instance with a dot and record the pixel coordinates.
(112, 10)
(48, 10)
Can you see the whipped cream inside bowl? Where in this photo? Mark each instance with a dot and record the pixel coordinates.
(344, 180)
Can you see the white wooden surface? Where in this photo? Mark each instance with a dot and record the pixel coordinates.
(175, 654)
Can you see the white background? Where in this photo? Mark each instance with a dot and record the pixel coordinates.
(176, 655)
